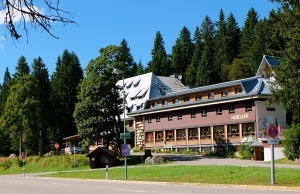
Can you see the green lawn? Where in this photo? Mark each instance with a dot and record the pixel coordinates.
(194, 174)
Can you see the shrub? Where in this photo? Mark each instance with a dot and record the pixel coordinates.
(291, 142)
(245, 151)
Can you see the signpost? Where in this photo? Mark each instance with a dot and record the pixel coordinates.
(273, 133)
(125, 136)
(56, 145)
(23, 160)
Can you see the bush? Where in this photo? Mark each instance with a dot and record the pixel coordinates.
(291, 142)
(245, 151)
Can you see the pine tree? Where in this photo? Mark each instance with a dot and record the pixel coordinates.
(182, 52)
(247, 40)
(159, 63)
(221, 47)
(190, 75)
(64, 83)
(126, 58)
(140, 68)
(234, 35)
(22, 69)
(206, 73)
(40, 72)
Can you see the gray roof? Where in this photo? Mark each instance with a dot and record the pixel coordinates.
(173, 83)
(252, 86)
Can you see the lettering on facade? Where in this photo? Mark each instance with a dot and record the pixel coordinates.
(243, 116)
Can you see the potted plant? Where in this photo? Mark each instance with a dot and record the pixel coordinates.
(233, 129)
(249, 129)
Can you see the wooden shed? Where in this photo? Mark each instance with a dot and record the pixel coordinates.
(100, 157)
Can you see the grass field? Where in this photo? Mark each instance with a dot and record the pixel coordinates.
(195, 174)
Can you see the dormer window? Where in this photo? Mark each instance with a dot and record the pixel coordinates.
(142, 105)
(137, 83)
(129, 85)
(224, 93)
(186, 99)
(175, 101)
(211, 95)
(149, 119)
(165, 102)
(238, 90)
(154, 104)
(198, 97)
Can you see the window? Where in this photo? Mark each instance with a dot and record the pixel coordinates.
(205, 133)
(159, 135)
(193, 134)
(231, 108)
(157, 118)
(170, 135)
(129, 85)
(224, 93)
(204, 112)
(149, 136)
(198, 97)
(165, 102)
(219, 110)
(149, 120)
(175, 101)
(233, 130)
(193, 114)
(186, 99)
(130, 123)
(248, 106)
(219, 131)
(142, 105)
(238, 90)
(132, 98)
(211, 95)
(181, 134)
(248, 129)
(179, 114)
(154, 104)
(137, 83)
(170, 117)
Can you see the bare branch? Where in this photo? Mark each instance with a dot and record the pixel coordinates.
(25, 12)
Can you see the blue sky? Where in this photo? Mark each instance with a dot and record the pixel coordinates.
(105, 22)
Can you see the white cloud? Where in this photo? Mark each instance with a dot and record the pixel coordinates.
(2, 39)
(17, 15)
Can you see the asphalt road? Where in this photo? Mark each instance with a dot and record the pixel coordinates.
(34, 185)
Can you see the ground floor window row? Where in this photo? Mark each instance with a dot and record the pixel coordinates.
(220, 131)
(202, 111)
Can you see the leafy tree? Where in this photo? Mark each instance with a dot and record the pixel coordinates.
(247, 40)
(291, 142)
(286, 89)
(30, 14)
(40, 72)
(20, 113)
(159, 63)
(238, 70)
(206, 73)
(97, 114)
(182, 52)
(64, 83)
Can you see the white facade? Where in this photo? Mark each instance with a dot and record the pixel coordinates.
(278, 153)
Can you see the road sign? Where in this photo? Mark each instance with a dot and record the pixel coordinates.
(125, 136)
(56, 145)
(125, 150)
(273, 141)
(23, 156)
(273, 131)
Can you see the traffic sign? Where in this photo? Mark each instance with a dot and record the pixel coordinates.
(273, 131)
(125, 136)
(56, 145)
(23, 156)
(273, 141)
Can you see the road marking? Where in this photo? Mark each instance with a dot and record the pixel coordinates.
(60, 184)
(135, 191)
